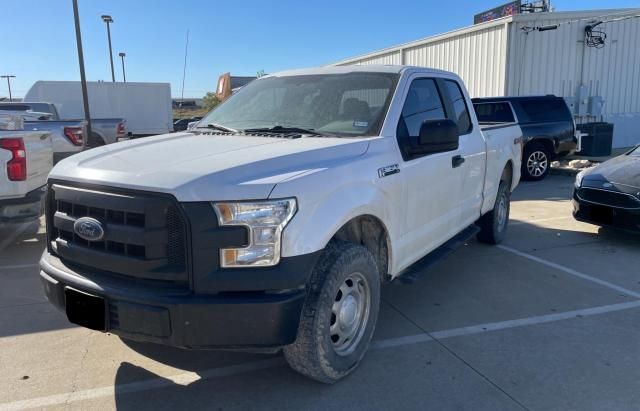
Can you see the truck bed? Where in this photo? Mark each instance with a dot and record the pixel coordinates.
(494, 125)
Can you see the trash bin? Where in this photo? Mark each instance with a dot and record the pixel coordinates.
(599, 140)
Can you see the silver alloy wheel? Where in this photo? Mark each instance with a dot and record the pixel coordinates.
(350, 314)
(502, 212)
(537, 163)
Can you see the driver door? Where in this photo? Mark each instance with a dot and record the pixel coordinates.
(431, 180)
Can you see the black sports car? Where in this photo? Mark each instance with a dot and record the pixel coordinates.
(609, 194)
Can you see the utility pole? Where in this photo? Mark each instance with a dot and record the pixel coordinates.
(108, 20)
(124, 76)
(83, 79)
(184, 68)
(9, 77)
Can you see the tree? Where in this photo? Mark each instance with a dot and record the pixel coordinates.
(209, 101)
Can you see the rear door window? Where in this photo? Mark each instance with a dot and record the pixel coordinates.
(546, 110)
(499, 112)
(460, 111)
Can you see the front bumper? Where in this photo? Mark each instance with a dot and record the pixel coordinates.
(23, 209)
(177, 316)
(626, 219)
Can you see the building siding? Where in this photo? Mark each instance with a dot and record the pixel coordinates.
(478, 57)
(499, 58)
(388, 58)
(478, 54)
(552, 62)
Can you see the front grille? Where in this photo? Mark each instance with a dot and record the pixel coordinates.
(608, 198)
(144, 234)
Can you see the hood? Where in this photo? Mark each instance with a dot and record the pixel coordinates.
(197, 167)
(623, 170)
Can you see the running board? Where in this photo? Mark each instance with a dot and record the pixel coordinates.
(422, 266)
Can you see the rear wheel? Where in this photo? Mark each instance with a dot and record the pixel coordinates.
(536, 162)
(339, 314)
(493, 225)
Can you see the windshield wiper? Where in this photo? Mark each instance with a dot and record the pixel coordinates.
(220, 127)
(283, 130)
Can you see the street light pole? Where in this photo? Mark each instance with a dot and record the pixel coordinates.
(83, 79)
(9, 77)
(108, 20)
(124, 76)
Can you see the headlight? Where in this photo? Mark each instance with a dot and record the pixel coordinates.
(265, 221)
(579, 178)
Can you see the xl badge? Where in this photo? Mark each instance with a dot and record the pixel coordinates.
(88, 228)
(388, 170)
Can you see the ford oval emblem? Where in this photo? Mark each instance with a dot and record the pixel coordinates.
(89, 229)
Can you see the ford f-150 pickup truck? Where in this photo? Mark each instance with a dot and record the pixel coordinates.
(273, 223)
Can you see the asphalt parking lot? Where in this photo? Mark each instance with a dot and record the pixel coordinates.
(549, 320)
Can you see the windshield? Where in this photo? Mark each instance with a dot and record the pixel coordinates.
(352, 104)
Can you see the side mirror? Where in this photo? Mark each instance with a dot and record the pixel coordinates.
(438, 136)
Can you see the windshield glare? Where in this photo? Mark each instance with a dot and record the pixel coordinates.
(352, 104)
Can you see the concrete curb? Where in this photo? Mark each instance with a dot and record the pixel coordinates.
(564, 171)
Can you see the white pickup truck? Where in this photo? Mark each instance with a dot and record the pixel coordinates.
(273, 224)
(68, 130)
(26, 157)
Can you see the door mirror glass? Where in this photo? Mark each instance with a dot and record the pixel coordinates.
(437, 136)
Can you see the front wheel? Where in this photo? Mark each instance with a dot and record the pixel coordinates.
(339, 314)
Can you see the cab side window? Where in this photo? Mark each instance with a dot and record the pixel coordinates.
(460, 112)
(423, 102)
(499, 112)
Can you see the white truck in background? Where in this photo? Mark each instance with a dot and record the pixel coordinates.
(273, 223)
(146, 107)
(45, 116)
(26, 157)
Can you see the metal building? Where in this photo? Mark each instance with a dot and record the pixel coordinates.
(511, 56)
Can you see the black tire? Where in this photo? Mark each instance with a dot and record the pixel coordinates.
(95, 141)
(536, 161)
(315, 353)
(493, 225)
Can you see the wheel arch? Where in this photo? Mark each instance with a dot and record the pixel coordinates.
(370, 232)
(507, 173)
(547, 142)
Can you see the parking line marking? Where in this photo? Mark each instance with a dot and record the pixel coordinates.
(400, 341)
(18, 266)
(571, 271)
(540, 220)
(232, 370)
(541, 319)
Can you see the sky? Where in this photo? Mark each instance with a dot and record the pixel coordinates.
(37, 37)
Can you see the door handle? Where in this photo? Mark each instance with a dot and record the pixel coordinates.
(456, 161)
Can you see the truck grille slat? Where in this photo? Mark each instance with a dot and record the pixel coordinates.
(144, 234)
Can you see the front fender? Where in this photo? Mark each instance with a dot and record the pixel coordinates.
(320, 216)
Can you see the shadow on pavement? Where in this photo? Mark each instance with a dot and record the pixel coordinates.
(193, 360)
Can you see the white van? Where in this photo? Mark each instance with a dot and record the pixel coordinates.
(146, 107)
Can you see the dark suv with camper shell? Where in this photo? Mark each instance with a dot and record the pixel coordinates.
(547, 127)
